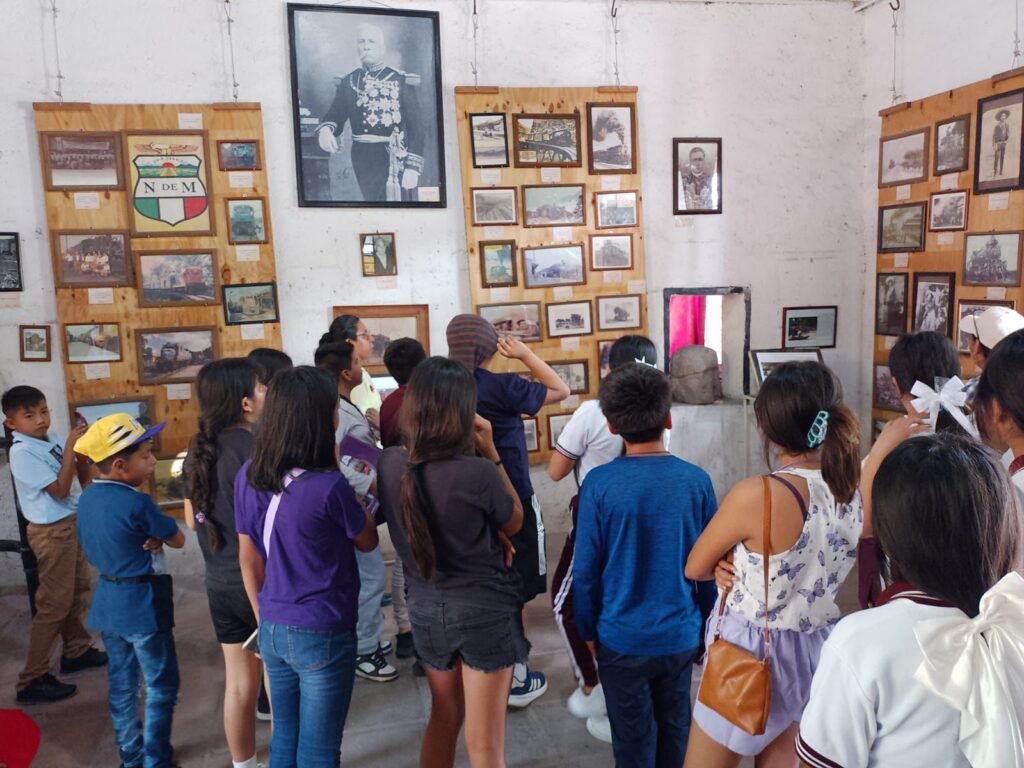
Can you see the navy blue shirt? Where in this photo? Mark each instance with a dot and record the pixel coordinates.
(114, 521)
(502, 398)
(639, 517)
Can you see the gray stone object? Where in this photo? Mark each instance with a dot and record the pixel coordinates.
(693, 371)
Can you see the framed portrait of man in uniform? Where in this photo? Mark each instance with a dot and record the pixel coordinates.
(366, 101)
(697, 171)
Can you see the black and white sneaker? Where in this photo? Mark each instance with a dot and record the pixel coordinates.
(385, 647)
(374, 667)
(526, 689)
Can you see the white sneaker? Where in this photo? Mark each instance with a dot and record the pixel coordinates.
(600, 728)
(584, 705)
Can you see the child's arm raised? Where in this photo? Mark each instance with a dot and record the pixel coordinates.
(61, 487)
(514, 349)
(733, 523)
(894, 433)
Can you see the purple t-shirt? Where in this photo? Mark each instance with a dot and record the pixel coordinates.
(312, 580)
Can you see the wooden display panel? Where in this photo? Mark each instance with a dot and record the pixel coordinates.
(220, 122)
(598, 283)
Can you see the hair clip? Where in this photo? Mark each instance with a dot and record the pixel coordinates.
(643, 361)
(816, 434)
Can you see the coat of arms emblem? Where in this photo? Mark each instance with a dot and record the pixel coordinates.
(170, 185)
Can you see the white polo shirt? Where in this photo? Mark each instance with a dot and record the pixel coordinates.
(866, 708)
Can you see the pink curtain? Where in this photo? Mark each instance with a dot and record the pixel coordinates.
(685, 321)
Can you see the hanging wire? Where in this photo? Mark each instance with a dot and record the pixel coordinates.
(1016, 36)
(615, 37)
(474, 68)
(895, 47)
(56, 52)
(231, 49)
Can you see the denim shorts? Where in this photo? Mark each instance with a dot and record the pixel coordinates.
(485, 639)
(231, 612)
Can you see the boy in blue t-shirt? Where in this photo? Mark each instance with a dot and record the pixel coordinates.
(639, 517)
(120, 530)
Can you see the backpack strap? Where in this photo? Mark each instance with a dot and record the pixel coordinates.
(275, 502)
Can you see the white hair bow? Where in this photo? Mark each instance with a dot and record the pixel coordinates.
(950, 396)
(977, 666)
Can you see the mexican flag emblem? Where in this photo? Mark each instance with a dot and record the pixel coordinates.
(170, 188)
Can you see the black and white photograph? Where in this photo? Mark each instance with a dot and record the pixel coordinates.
(366, 101)
(92, 342)
(575, 374)
(970, 308)
(901, 227)
(764, 361)
(377, 250)
(611, 252)
(616, 209)
(174, 355)
(498, 263)
(10, 262)
(618, 312)
(891, 303)
(550, 265)
(546, 141)
(604, 354)
(809, 327)
(81, 161)
(247, 220)
(553, 205)
(239, 155)
(34, 343)
(611, 131)
(530, 431)
(556, 423)
(520, 320)
(250, 303)
(91, 259)
(992, 258)
(998, 161)
(569, 318)
(488, 136)
(952, 144)
(494, 206)
(176, 278)
(903, 158)
(948, 211)
(933, 302)
(886, 397)
(697, 171)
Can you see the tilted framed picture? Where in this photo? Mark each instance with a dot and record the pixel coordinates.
(903, 158)
(387, 322)
(998, 160)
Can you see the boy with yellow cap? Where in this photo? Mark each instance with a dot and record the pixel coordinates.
(120, 529)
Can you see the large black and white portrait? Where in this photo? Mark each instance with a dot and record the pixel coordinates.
(366, 96)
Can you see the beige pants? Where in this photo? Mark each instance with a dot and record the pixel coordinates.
(62, 600)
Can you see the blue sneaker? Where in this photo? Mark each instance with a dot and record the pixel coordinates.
(526, 689)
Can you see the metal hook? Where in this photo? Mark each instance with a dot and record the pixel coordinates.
(615, 10)
(895, 8)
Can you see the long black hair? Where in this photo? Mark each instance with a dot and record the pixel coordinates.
(342, 328)
(1002, 381)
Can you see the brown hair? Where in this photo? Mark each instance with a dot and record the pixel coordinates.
(1001, 382)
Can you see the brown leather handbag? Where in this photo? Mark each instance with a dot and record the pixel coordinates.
(736, 683)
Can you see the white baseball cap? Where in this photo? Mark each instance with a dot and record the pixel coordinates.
(993, 325)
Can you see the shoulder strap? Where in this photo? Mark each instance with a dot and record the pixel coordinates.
(767, 554)
(275, 502)
(795, 492)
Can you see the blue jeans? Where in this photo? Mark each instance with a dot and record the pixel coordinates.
(155, 655)
(648, 700)
(372, 575)
(310, 673)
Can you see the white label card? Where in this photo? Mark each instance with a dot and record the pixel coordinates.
(611, 183)
(252, 331)
(10, 300)
(101, 295)
(386, 283)
(572, 401)
(999, 201)
(995, 293)
(240, 179)
(550, 175)
(903, 192)
(900, 260)
(571, 344)
(949, 181)
(190, 121)
(890, 342)
(499, 294)
(87, 201)
(613, 276)
(97, 370)
(494, 233)
(429, 195)
(561, 234)
(944, 238)
(490, 176)
(247, 253)
(684, 222)
(178, 391)
(637, 286)
(563, 292)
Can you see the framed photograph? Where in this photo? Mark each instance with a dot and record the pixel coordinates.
(553, 205)
(366, 105)
(969, 308)
(891, 303)
(90, 259)
(167, 486)
(903, 158)
(604, 352)
(611, 133)
(575, 373)
(952, 144)
(616, 209)
(247, 220)
(992, 258)
(239, 155)
(92, 342)
(933, 302)
(378, 252)
(809, 327)
(886, 397)
(168, 184)
(520, 320)
(901, 227)
(569, 318)
(387, 322)
(81, 160)
(176, 278)
(498, 263)
(764, 361)
(556, 423)
(139, 407)
(550, 265)
(998, 161)
(34, 343)
(948, 211)
(615, 313)
(174, 355)
(488, 137)
(697, 170)
(250, 303)
(611, 252)
(545, 141)
(530, 431)
(494, 205)
(10, 262)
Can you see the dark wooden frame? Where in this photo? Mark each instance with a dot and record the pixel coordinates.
(966, 160)
(547, 318)
(583, 264)
(394, 253)
(755, 365)
(586, 374)
(472, 207)
(224, 301)
(835, 325)
(723, 291)
(536, 432)
(875, 402)
(597, 209)
(931, 209)
(640, 315)
(982, 302)
(472, 140)
(17, 255)
(56, 252)
(21, 343)
(67, 350)
(266, 219)
(44, 152)
(925, 166)
(137, 257)
(583, 206)
(1020, 249)
(140, 332)
(676, 210)
(259, 155)
(905, 277)
(551, 431)
(421, 313)
(481, 245)
(632, 134)
(924, 227)
(74, 406)
(593, 236)
(575, 116)
(931, 276)
(995, 186)
(540, 315)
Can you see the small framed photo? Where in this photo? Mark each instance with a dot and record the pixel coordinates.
(611, 252)
(387, 322)
(556, 423)
(886, 398)
(176, 278)
(378, 254)
(247, 220)
(998, 160)
(34, 343)
(891, 303)
(903, 158)
(494, 205)
(992, 258)
(809, 327)
(615, 313)
(604, 353)
(139, 407)
(519, 320)
(933, 302)
(575, 373)
(498, 263)
(250, 303)
(952, 144)
(969, 308)
(488, 137)
(697, 170)
(81, 160)
(550, 265)
(616, 209)
(764, 361)
(611, 131)
(92, 342)
(10, 262)
(546, 141)
(530, 432)
(569, 318)
(948, 211)
(901, 227)
(174, 355)
(167, 486)
(239, 155)
(91, 259)
(553, 205)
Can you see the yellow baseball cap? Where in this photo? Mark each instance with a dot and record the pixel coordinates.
(112, 434)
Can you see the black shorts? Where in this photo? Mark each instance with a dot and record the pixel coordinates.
(529, 560)
(485, 639)
(231, 612)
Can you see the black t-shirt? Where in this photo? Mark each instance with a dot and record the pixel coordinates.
(469, 504)
(234, 448)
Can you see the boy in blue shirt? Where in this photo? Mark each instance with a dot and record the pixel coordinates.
(639, 517)
(120, 529)
(48, 480)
